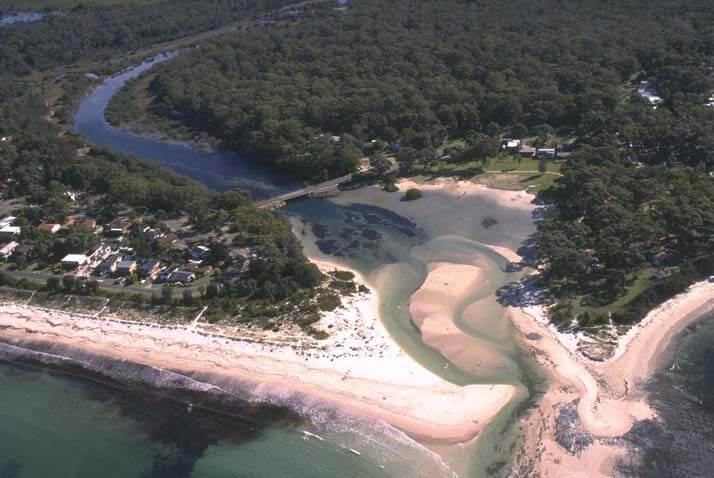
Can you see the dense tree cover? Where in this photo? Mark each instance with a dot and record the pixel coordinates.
(50, 5)
(643, 202)
(95, 31)
(418, 72)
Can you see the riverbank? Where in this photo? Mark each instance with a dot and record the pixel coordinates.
(608, 397)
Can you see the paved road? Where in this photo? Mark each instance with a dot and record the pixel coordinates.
(41, 277)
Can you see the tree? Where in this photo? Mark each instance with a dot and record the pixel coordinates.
(380, 163)
(542, 167)
(211, 290)
(347, 158)
(166, 294)
(53, 284)
(187, 298)
(92, 287)
(519, 131)
(309, 275)
(69, 283)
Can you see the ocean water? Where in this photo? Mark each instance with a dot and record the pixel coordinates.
(62, 425)
(680, 443)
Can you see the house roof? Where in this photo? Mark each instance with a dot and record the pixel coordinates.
(126, 264)
(79, 258)
(150, 264)
(111, 259)
(9, 247)
(48, 227)
(181, 276)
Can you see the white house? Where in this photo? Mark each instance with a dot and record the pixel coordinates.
(72, 261)
(7, 221)
(513, 145)
(548, 153)
(10, 231)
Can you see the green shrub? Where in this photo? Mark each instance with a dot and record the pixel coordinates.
(328, 302)
(412, 194)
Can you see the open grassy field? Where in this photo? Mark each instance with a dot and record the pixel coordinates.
(525, 165)
(639, 282)
(516, 181)
(502, 172)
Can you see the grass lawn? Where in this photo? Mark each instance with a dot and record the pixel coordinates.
(508, 163)
(640, 282)
(515, 181)
(440, 168)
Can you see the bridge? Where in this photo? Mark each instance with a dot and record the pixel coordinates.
(326, 188)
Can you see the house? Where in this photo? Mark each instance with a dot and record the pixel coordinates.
(166, 273)
(169, 238)
(72, 261)
(6, 250)
(118, 227)
(149, 268)
(181, 277)
(48, 227)
(527, 151)
(90, 223)
(109, 265)
(512, 145)
(241, 258)
(10, 231)
(153, 235)
(198, 254)
(547, 153)
(7, 221)
(198, 269)
(127, 267)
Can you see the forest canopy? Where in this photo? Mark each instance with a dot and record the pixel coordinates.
(99, 31)
(418, 73)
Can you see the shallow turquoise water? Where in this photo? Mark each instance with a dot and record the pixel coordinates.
(62, 426)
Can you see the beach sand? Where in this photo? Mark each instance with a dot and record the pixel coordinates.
(359, 367)
(608, 394)
(433, 308)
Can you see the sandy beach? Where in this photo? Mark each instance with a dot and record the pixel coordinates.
(608, 395)
(358, 368)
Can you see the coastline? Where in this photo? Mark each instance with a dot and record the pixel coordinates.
(608, 396)
(358, 370)
(389, 387)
